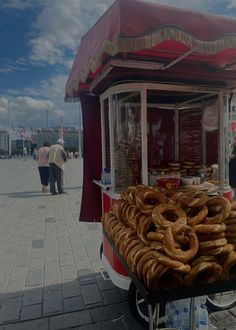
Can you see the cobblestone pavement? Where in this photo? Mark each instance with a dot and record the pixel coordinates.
(50, 268)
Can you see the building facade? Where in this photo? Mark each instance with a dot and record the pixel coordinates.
(3, 141)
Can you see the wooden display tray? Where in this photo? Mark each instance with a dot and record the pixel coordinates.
(155, 297)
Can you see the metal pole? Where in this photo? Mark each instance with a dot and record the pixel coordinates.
(9, 128)
(47, 122)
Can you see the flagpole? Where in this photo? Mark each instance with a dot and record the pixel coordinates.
(9, 128)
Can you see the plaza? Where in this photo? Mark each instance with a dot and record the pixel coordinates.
(51, 276)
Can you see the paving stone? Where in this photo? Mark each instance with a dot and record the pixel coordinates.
(89, 327)
(37, 243)
(33, 296)
(71, 289)
(34, 278)
(19, 273)
(40, 324)
(52, 302)
(31, 312)
(69, 320)
(109, 312)
(73, 304)
(112, 296)
(50, 220)
(68, 272)
(10, 310)
(104, 284)
(91, 295)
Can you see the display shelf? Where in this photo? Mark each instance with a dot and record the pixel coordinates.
(103, 186)
(161, 296)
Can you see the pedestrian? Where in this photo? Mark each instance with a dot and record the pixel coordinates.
(43, 166)
(57, 158)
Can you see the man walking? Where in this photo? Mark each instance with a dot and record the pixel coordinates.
(56, 159)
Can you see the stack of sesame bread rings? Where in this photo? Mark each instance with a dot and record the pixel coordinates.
(171, 239)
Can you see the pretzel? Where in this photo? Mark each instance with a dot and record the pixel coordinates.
(182, 254)
(196, 215)
(223, 250)
(228, 265)
(146, 226)
(212, 244)
(208, 229)
(173, 264)
(193, 199)
(203, 272)
(207, 237)
(230, 221)
(146, 200)
(165, 214)
(219, 205)
(162, 277)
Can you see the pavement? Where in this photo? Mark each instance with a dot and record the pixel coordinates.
(50, 267)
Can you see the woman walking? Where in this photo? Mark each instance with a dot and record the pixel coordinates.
(43, 166)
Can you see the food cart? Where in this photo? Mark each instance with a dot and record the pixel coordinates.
(147, 77)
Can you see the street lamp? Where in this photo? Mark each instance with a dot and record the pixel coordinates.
(9, 128)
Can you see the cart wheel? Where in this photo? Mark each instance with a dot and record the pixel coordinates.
(139, 308)
(101, 251)
(221, 301)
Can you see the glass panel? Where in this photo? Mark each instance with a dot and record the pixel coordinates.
(127, 139)
(160, 132)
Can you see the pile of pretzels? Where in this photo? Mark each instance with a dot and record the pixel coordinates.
(171, 239)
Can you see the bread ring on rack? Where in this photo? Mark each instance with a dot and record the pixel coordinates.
(208, 229)
(162, 278)
(146, 200)
(127, 249)
(217, 201)
(229, 265)
(184, 253)
(232, 215)
(137, 256)
(196, 215)
(207, 237)
(212, 244)
(166, 214)
(146, 226)
(203, 272)
(230, 234)
(231, 228)
(116, 208)
(193, 199)
(174, 264)
(126, 242)
(155, 236)
(143, 260)
(230, 221)
(223, 250)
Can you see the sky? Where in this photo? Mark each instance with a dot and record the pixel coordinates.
(39, 42)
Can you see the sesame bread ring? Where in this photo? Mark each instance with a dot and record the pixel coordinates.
(146, 200)
(182, 253)
(230, 221)
(193, 199)
(217, 201)
(208, 229)
(223, 250)
(174, 264)
(212, 244)
(155, 236)
(229, 265)
(207, 237)
(196, 215)
(166, 214)
(145, 227)
(203, 272)
(165, 279)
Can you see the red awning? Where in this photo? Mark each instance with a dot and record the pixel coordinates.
(151, 30)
